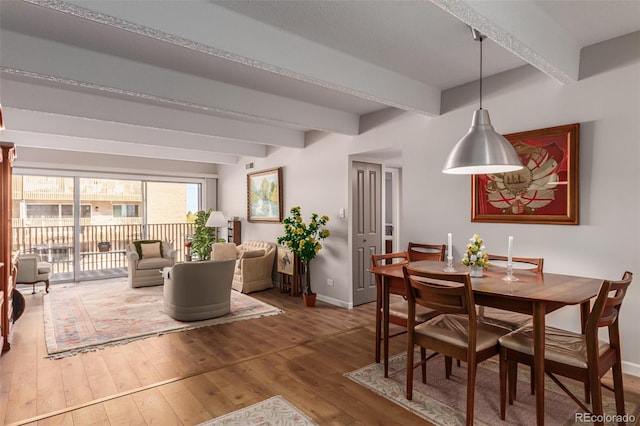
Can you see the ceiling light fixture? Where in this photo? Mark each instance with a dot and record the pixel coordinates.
(482, 150)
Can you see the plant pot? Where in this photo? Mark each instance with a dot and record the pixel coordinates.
(309, 300)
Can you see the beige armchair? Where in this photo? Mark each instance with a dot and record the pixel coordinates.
(196, 291)
(32, 270)
(147, 258)
(254, 264)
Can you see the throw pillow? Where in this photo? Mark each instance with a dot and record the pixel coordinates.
(138, 246)
(252, 253)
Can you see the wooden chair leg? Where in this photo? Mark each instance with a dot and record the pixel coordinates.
(471, 391)
(596, 394)
(512, 376)
(618, 387)
(447, 366)
(410, 374)
(33, 288)
(423, 360)
(46, 286)
(503, 385)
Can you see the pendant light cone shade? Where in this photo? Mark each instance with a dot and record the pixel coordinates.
(482, 150)
(1, 119)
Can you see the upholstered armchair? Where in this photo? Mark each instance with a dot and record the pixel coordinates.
(196, 291)
(147, 258)
(32, 270)
(254, 266)
(254, 263)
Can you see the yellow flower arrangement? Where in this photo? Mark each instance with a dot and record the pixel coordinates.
(304, 240)
(476, 255)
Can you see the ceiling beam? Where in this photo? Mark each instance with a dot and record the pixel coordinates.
(524, 30)
(21, 91)
(222, 33)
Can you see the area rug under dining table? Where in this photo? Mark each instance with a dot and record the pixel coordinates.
(86, 316)
(443, 401)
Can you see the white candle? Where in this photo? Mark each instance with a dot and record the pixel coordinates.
(449, 247)
(509, 249)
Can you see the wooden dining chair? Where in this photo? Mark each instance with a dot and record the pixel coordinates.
(455, 333)
(579, 356)
(398, 310)
(502, 318)
(418, 251)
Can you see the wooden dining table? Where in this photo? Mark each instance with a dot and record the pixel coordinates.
(536, 294)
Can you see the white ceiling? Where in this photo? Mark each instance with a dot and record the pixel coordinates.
(215, 81)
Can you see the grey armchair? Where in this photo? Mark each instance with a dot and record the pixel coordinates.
(196, 291)
(32, 270)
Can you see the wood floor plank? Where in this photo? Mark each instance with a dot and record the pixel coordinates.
(188, 377)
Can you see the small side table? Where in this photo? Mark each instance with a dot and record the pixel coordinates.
(288, 267)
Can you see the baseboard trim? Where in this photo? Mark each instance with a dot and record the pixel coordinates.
(334, 302)
(631, 368)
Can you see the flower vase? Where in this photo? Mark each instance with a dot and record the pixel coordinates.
(476, 272)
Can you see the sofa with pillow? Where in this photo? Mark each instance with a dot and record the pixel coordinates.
(254, 264)
(147, 258)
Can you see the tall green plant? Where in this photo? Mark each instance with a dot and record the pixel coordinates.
(203, 236)
(304, 239)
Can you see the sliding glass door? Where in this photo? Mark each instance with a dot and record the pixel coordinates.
(82, 225)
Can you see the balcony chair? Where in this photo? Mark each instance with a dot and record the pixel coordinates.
(455, 333)
(32, 270)
(195, 291)
(147, 258)
(417, 251)
(579, 356)
(398, 310)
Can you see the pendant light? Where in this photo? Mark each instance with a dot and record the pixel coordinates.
(482, 150)
(1, 120)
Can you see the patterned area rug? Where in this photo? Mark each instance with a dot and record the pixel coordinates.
(270, 412)
(443, 402)
(89, 316)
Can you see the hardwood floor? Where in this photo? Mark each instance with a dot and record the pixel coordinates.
(189, 377)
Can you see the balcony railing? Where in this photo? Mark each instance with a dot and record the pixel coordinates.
(101, 247)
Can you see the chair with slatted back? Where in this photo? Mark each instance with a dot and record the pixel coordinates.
(507, 319)
(579, 356)
(455, 333)
(418, 251)
(398, 310)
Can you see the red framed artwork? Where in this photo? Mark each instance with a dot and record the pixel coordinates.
(545, 191)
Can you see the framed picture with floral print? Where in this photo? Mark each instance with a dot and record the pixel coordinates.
(545, 191)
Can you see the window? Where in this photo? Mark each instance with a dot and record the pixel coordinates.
(125, 210)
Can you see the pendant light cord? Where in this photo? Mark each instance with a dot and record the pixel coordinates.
(481, 38)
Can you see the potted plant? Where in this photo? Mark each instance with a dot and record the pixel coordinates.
(304, 241)
(203, 236)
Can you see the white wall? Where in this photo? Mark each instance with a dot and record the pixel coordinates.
(606, 103)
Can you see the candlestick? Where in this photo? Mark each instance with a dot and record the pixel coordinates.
(509, 248)
(449, 267)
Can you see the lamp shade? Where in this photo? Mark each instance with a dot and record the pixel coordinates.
(216, 220)
(482, 150)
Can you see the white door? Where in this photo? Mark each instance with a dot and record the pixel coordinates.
(366, 181)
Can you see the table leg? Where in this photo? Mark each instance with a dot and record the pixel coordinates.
(385, 338)
(378, 317)
(538, 355)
